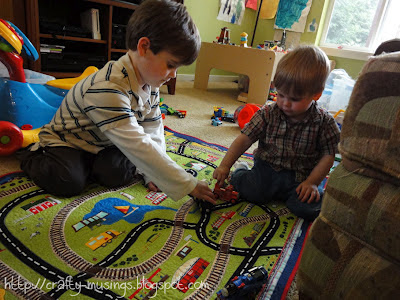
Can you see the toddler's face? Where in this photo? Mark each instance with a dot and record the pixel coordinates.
(158, 68)
(293, 107)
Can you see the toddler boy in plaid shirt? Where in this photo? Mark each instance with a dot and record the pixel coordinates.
(297, 140)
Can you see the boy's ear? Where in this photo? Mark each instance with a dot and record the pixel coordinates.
(317, 96)
(143, 45)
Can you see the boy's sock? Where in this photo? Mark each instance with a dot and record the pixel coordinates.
(238, 166)
(242, 165)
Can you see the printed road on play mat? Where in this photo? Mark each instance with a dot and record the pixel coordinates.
(129, 243)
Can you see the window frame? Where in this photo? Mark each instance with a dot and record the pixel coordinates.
(352, 52)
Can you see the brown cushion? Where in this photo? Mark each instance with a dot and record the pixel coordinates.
(370, 139)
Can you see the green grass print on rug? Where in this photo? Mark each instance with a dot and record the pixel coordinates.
(129, 243)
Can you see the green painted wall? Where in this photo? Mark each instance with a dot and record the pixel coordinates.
(351, 66)
(205, 13)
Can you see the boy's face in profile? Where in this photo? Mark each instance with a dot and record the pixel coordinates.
(156, 69)
(293, 107)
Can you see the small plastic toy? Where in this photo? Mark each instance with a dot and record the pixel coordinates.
(226, 193)
(218, 111)
(243, 39)
(181, 113)
(166, 110)
(272, 93)
(163, 108)
(222, 114)
(227, 38)
(216, 121)
(282, 43)
(221, 37)
(170, 111)
(244, 113)
(244, 286)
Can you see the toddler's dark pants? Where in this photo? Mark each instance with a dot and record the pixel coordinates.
(64, 171)
(263, 184)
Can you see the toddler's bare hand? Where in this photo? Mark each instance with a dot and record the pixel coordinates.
(203, 192)
(308, 192)
(221, 173)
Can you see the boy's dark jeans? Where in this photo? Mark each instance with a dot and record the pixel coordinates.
(64, 171)
(263, 184)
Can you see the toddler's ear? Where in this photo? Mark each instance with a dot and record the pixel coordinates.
(317, 96)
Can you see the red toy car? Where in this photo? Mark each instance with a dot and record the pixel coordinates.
(226, 193)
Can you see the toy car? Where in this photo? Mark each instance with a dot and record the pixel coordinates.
(226, 193)
(180, 113)
(245, 284)
(216, 122)
(222, 114)
(228, 118)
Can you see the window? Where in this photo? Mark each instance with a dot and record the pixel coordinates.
(355, 28)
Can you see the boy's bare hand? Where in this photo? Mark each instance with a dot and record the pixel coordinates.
(308, 192)
(152, 187)
(221, 173)
(203, 192)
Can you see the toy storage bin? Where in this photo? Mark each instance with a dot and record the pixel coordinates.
(342, 88)
(338, 88)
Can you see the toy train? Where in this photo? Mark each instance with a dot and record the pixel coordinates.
(245, 285)
(226, 193)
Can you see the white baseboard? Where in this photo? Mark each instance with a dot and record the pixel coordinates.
(221, 78)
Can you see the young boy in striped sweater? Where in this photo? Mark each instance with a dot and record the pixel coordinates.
(109, 126)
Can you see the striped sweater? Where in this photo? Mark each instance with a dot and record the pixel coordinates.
(109, 108)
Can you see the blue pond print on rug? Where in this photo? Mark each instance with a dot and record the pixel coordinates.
(134, 214)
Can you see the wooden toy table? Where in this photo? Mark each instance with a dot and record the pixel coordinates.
(259, 65)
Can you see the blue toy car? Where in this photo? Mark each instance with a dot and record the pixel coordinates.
(216, 122)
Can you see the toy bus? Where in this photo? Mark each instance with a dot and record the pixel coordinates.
(103, 239)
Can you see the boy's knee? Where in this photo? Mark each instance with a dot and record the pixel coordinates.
(112, 168)
(115, 179)
(247, 187)
(56, 176)
(63, 185)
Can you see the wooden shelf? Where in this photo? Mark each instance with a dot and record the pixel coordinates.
(115, 3)
(119, 50)
(71, 38)
(109, 10)
(62, 74)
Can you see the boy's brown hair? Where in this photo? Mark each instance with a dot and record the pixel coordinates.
(168, 26)
(302, 72)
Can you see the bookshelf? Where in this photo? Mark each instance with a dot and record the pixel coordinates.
(57, 22)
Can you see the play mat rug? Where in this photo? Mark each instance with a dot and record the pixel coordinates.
(130, 243)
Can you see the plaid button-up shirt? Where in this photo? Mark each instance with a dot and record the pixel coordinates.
(293, 146)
